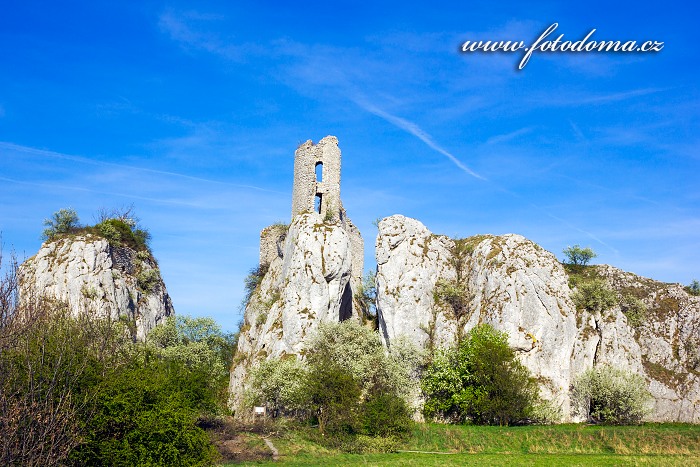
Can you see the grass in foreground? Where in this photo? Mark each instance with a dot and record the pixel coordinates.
(652, 444)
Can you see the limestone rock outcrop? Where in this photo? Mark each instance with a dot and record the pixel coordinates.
(433, 289)
(90, 275)
(309, 282)
(309, 272)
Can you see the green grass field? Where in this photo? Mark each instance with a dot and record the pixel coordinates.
(651, 444)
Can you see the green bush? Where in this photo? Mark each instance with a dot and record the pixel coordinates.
(348, 383)
(481, 381)
(76, 390)
(693, 288)
(62, 221)
(146, 414)
(197, 343)
(147, 280)
(252, 281)
(334, 397)
(634, 309)
(594, 295)
(280, 386)
(366, 296)
(119, 232)
(358, 350)
(609, 395)
(454, 294)
(50, 366)
(385, 414)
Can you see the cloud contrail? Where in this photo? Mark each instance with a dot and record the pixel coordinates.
(416, 131)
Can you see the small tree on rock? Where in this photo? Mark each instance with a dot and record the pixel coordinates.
(578, 256)
(61, 222)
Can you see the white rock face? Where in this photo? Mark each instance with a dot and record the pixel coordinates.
(311, 283)
(517, 287)
(90, 275)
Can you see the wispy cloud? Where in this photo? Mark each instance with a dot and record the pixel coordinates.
(178, 27)
(416, 131)
(577, 131)
(575, 98)
(85, 160)
(578, 229)
(61, 187)
(498, 139)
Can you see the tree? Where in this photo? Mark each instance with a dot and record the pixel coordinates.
(609, 395)
(366, 296)
(358, 350)
(480, 381)
(198, 343)
(578, 256)
(334, 395)
(693, 288)
(61, 222)
(349, 383)
(146, 413)
(279, 384)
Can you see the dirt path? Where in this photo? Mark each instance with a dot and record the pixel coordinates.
(275, 453)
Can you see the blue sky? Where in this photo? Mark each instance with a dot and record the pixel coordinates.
(192, 112)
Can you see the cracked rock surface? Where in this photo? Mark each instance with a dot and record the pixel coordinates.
(89, 274)
(516, 286)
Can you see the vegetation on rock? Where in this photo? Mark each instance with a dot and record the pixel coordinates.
(578, 256)
(120, 227)
(594, 295)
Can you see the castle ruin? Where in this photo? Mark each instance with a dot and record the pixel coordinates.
(316, 191)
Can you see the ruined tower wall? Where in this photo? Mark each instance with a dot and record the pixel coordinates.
(271, 243)
(306, 188)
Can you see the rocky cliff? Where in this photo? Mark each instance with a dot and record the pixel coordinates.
(90, 274)
(309, 281)
(433, 289)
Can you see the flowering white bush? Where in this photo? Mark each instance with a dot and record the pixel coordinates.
(609, 395)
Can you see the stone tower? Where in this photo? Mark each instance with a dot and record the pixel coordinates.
(317, 179)
(316, 190)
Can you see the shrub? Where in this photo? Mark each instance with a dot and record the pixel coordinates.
(147, 280)
(358, 350)
(252, 281)
(146, 414)
(594, 295)
(693, 288)
(280, 386)
(77, 390)
(366, 296)
(109, 232)
(50, 366)
(454, 294)
(609, 395)
(196, 343)
(634, 309)
(334, 396)
(479, 381)
(123, 233)
(578, 256)
(62, 221)
(385, 414)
